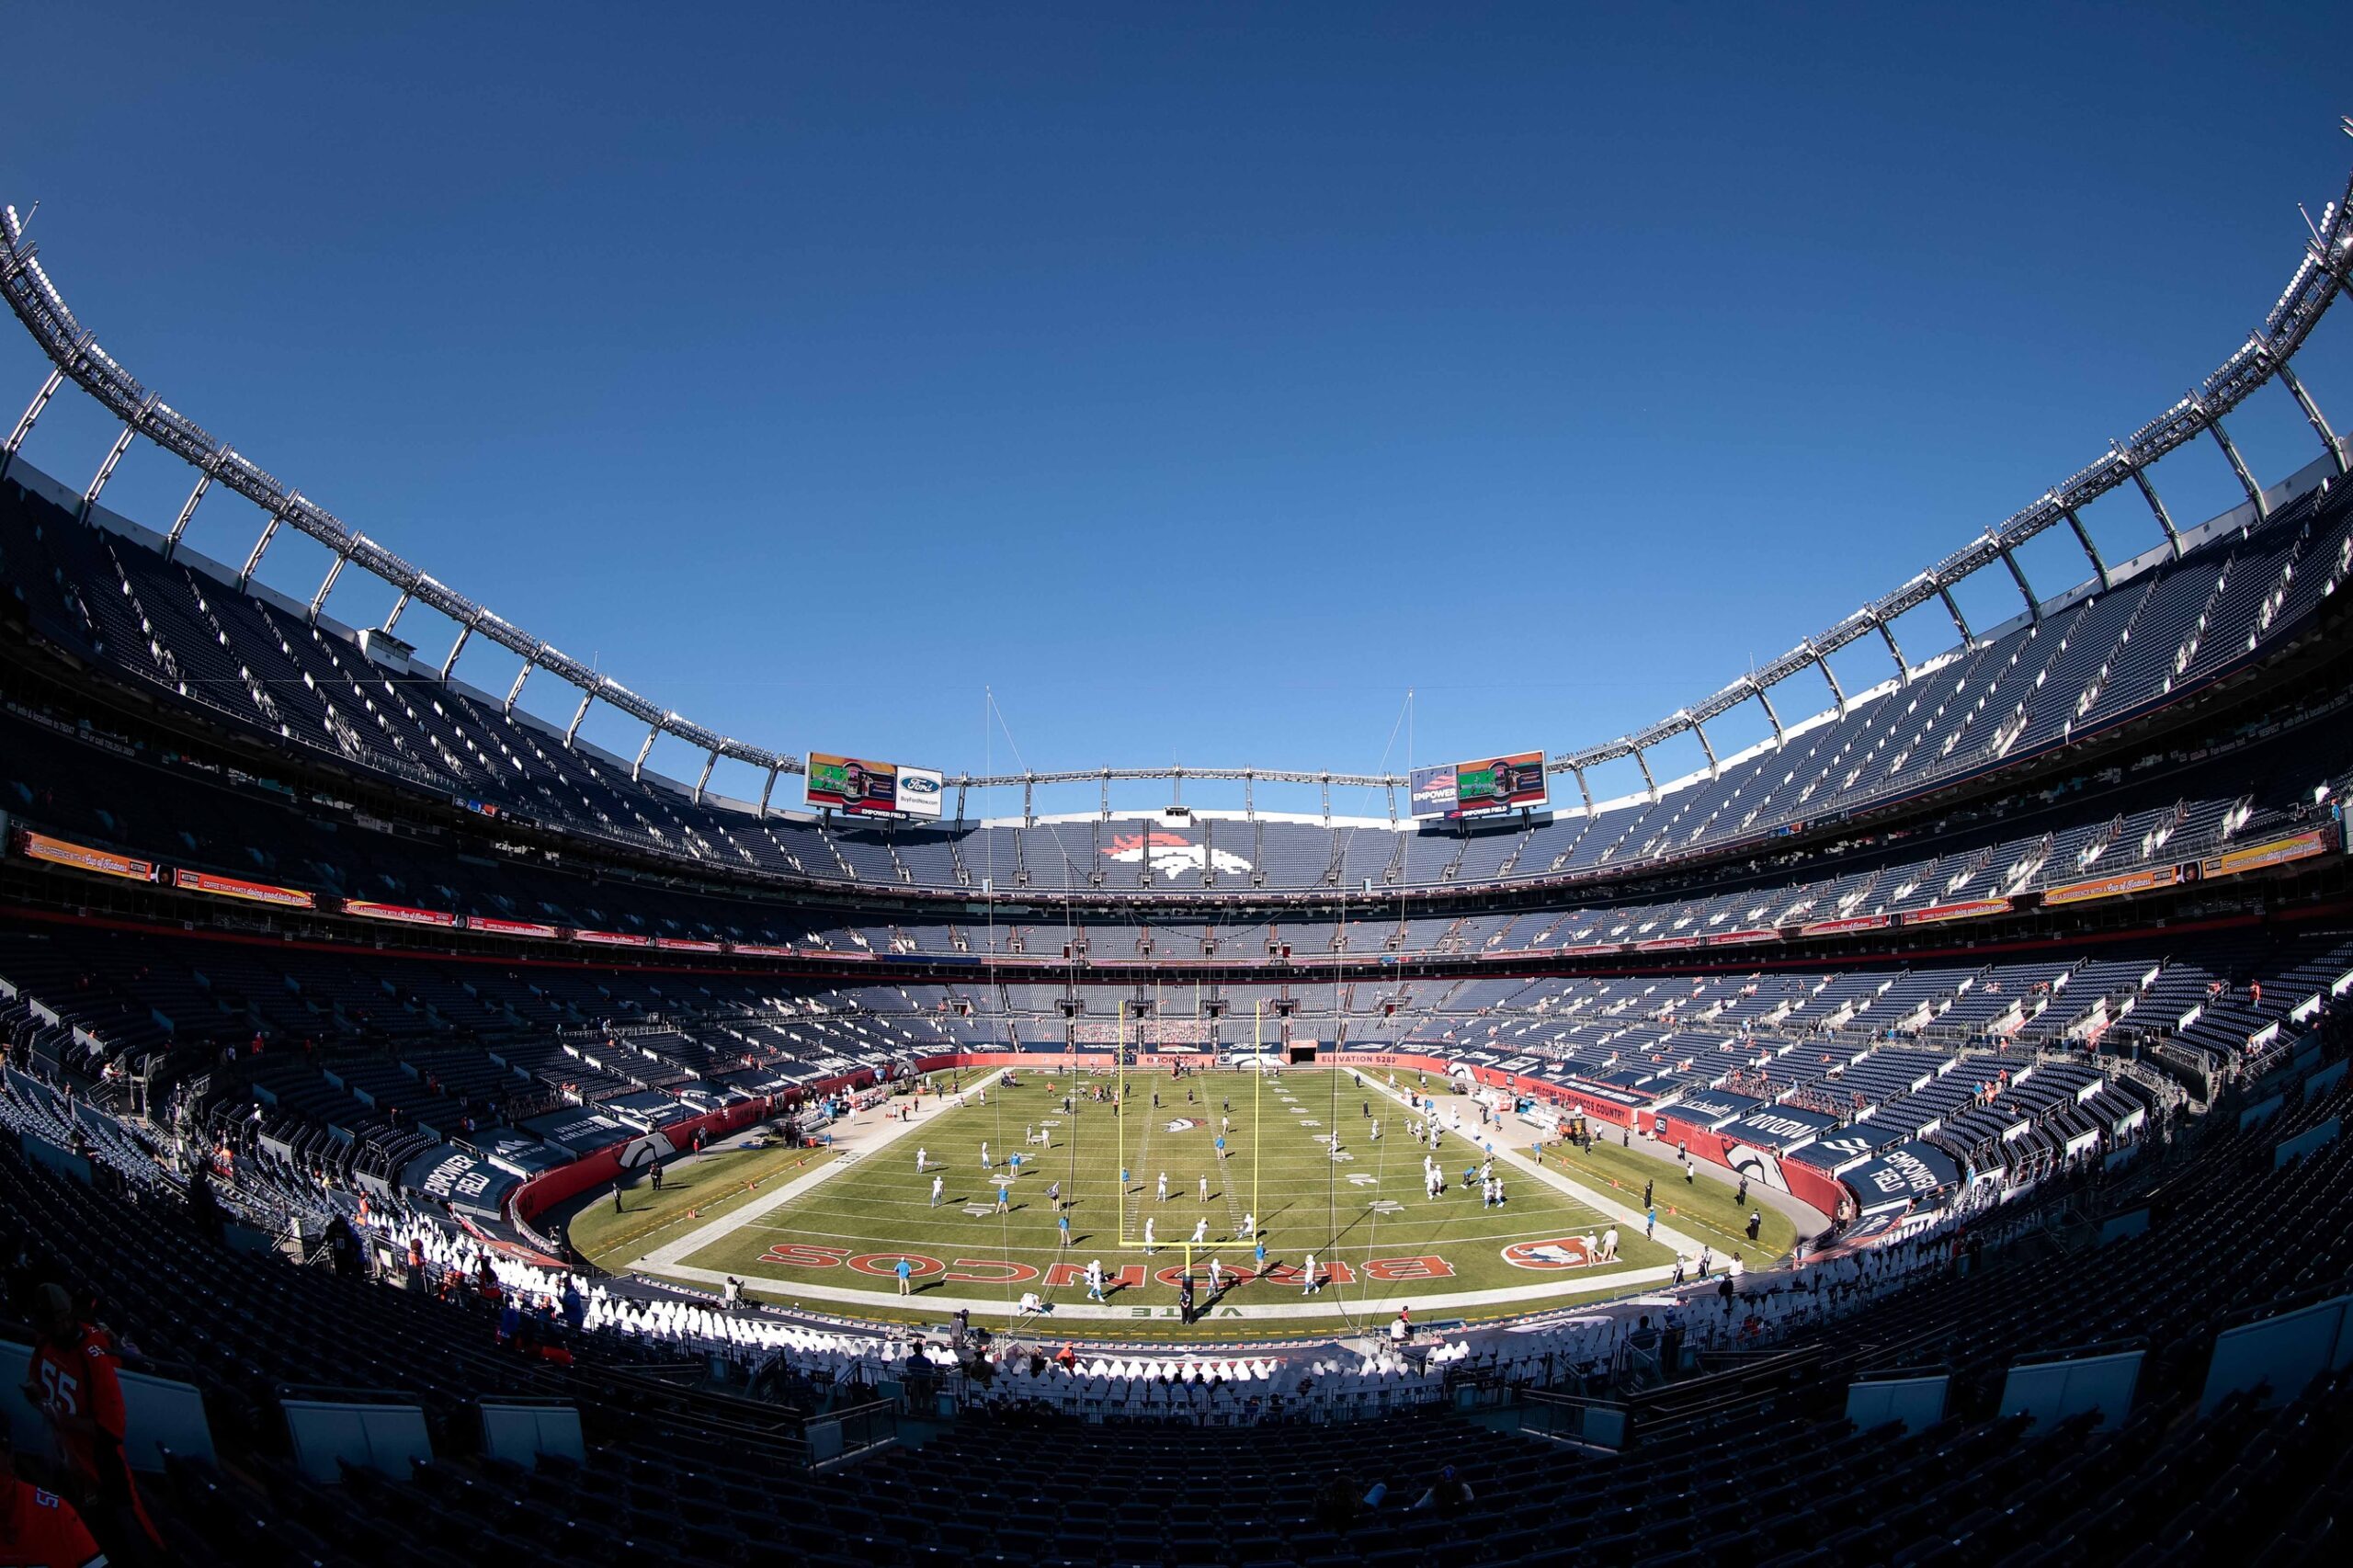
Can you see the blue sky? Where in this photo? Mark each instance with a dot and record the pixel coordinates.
(1199, 379)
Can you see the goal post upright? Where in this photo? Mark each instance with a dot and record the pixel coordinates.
(1257, 1124)
(1120, 1113)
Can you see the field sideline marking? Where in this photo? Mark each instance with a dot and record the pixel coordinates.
(669, 1260)
(1608, 1207)
(1299, 1307)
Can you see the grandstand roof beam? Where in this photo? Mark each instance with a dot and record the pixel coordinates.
(637, 768)
(252, 561)
(577, 715)
(2312, 414)
(326, 586)
(1714, 770)
(767, 788)
(30, 418)
(465, 634)
(1779, 736)
(1903, 665)
(515, 692)
(1968, 638)
(2323, 272)
(2238, 465)
(703, 783)
(393, 618)
(1030, 802)
(1583, 790)
(1838, 692)
(2157, 503)
(2026, 589)
(1648, 782)
(106, 471)
(179, 526)
(2091, 551)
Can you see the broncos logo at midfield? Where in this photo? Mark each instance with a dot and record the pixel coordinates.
(1561, 1252)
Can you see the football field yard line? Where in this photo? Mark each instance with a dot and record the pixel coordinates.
(1224, 1242)
(875, 1210)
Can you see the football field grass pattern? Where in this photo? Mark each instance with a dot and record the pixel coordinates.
(1366, 1211)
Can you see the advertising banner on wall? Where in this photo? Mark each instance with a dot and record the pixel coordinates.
(1969, 909)
(369, 909)
(2278, 852)
(1488, 784)
(1850, 922)
(494, 927)
(2117, 886)
(237, 887)
(82, 857)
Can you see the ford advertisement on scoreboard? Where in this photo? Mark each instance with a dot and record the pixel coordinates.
(862, 788)
(1489, 784)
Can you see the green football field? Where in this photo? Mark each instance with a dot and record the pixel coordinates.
(834, 1246)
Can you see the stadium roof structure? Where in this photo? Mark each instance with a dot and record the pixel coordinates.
(2324, 270)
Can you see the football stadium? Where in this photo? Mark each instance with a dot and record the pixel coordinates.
(1850, 1119)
